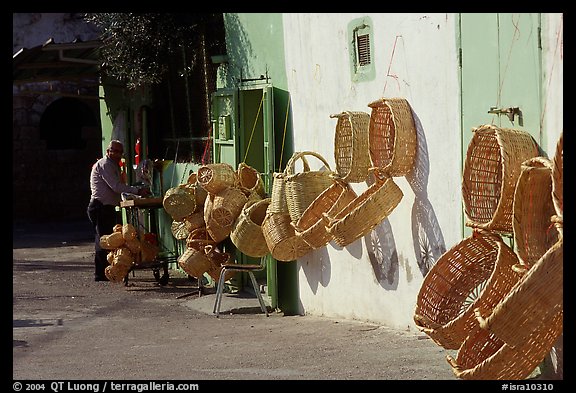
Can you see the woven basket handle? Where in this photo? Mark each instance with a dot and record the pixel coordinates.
(292, 160)
(290, 165)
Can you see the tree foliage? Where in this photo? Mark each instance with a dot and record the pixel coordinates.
(136, 46)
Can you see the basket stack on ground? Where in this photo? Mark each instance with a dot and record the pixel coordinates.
(126, 248)
(502, 310)
(207, 211)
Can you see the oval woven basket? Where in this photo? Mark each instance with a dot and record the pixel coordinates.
(217, 232)
(491, 170)
(392, 136)
(558, 176)
(475, 273)
(278, 203)
(282, 241)
(216, 177)
(532, 209)
(194, 260)
(196, 189)
(532, 304)
(302, 188)
(366, 211)
(311, 227)
(181, 229)
(250, 179)
(179, 202)
(227, 206)
(247, 233)
(351, 146)
(483, 356)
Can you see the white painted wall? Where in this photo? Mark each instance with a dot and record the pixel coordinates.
(415, 58)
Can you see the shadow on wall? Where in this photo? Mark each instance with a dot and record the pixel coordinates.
(239, 50)
(427, 236)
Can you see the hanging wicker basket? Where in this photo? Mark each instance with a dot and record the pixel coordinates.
(247, 233)
(392, 136)
(351, 146)
(217, 259)
(302, 188)
(311, 227)
(194, 260)
(491, 170)
(532, 304)
(227, 206)
(179, 202)
(216, 231)
(282, 241)
(278, 203)
(217, 177)
(364, 212)
(557, 177)
(475, 273)
(250, 179)
(199, 192)
(181, 229)
(532, 209)
(197, 234)
(483, 356)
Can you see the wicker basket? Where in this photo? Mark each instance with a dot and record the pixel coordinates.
(558, 176)
(250, 179)
(278, 203)
(311, 227)
(194, 260)
(364, 212)
(483, 356)
(216, 177)
(392, 136)
(199, 192)
(116, 273)
(216, 231)
(302, 188)
(197, 234)
(475, 273)
(351, 146)
(217, 259)
(532, 209)
(282, 241)
(181, 229)
(179, 202)
(247, 233)
(491, 170)
(532, 303)
(227, 206)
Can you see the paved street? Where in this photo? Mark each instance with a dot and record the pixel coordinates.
(66, 326)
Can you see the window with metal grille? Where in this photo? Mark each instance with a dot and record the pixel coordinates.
(361, 48)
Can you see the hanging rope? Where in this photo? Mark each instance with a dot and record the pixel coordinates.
(284, 134)
(207, 146)
(253, 128)
(390, 66)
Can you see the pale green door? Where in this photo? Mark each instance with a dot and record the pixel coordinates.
(500, 57)
(243, 131)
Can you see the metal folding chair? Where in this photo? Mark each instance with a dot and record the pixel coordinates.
(247, 268)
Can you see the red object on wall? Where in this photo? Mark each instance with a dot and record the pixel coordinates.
(137, 150)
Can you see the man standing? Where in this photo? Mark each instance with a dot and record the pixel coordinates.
(107, 186)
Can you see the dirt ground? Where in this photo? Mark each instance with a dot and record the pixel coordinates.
(67, 326)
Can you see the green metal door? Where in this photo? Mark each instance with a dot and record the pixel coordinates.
(243, 131)
(500, 59)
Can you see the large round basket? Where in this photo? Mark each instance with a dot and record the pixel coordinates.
(475, 273)
(216, 177)
(533, 208)
(282, 241)
(351, 146)
(311, 227)
(532, 304)
(483, 356)
(303, 187)
(247, 233)
(392, 136)
(179, 202)
(491, 170)
(366, 211)
(227, 206)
